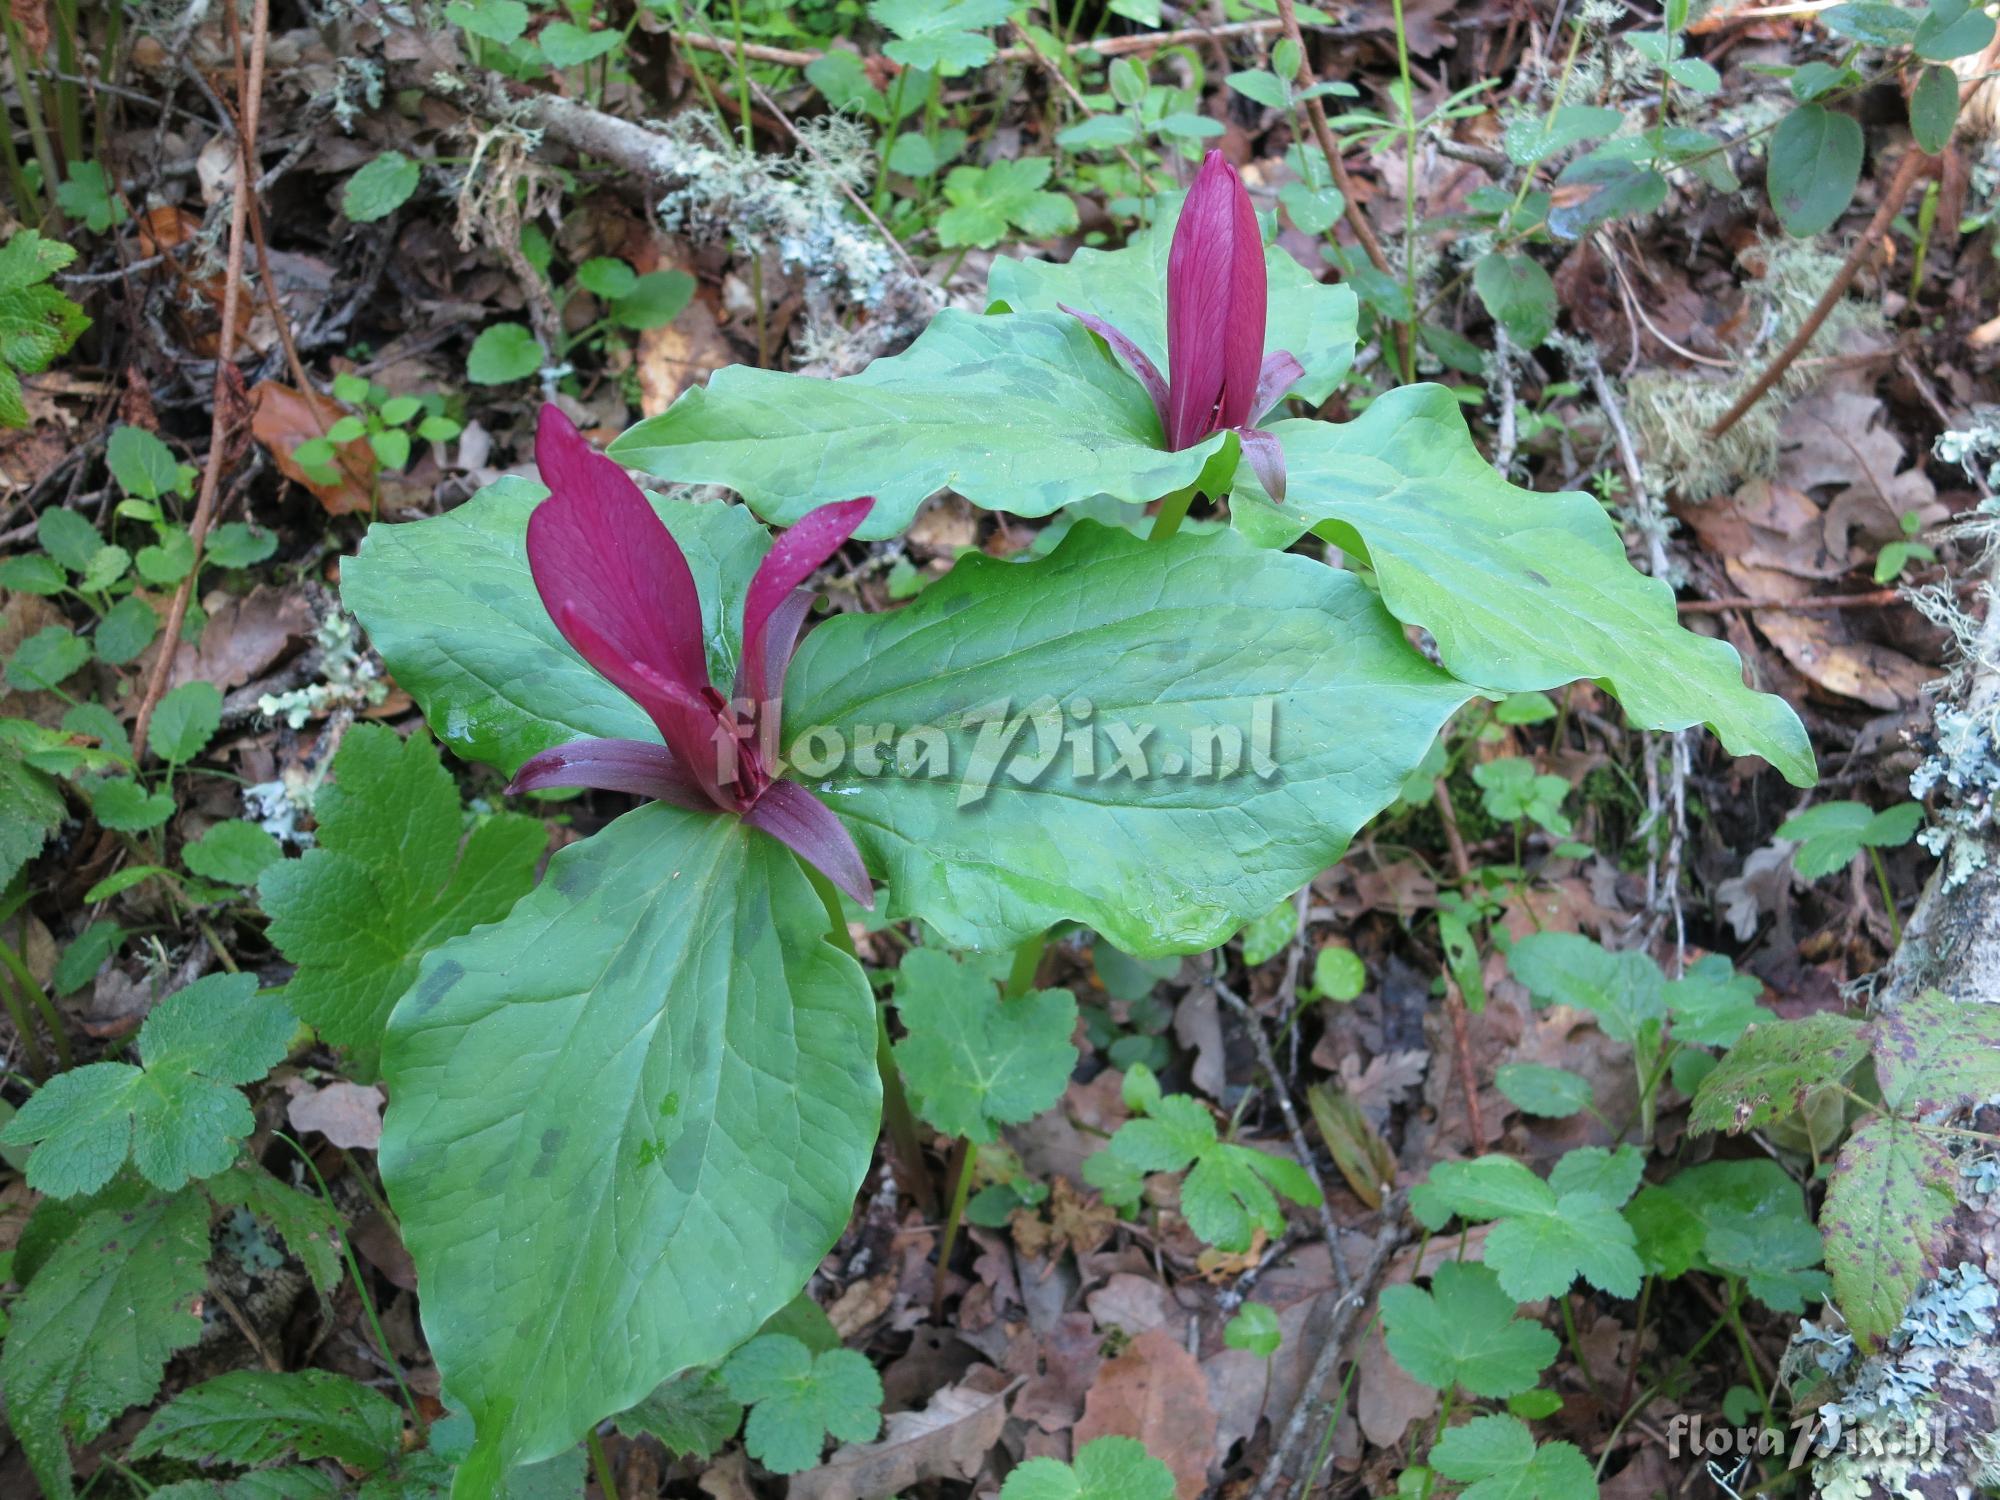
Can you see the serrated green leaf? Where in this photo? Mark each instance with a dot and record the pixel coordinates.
(1610, 1175)
(235, 853)
(1625, 991)
(1542, 1241)
(1935, 1054)
(251, 1417)
(1254, 1330)
(33, 573)
(30, 808)
(387, 883)
(693, 1414)
(47, 659)
(1107, 1468)
(185, 722)
(1496, 1458)
(1887, 1205)
(672, 969)
(144, 467)
(503, 353)
(797, 1398)
(179, 1116)
(310, 1227)
(1832, 833)
(974, 1061)
(1521, 590)
(92, 1333)
(1712, 1005)
(1552, 1093)
(1463, 1332)
(37, 323)
(124, 805)
(380, 187)
(126, 630)
(501, 21)
(939, 35)
(987, 202)
(167, 560)
(1771, 1070)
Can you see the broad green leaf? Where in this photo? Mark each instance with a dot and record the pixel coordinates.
(1543, 1241)
(82, 959)
(87, 197)
(30, 808)
(124, 805)
(797, 1398)
(1625, 192)
(1521, 590)
(940, 35)
(1552, 1093)
(237, 544)
(1463, 1332)
(693, 1414)
(1139, 819)
(1496, 1458)
(1625, 991)
(1271, 934)
(185, 722)
(380, 187)
(33, 573)
(974, 1061)
(1875, 22)
(1532, 138)
(1128, 288)
(1952, 28)
(310, 1226)
(451, 605)
(672, 971)
(606, 276)
(1106, 1468)
(1610, 1175)
(1024, 413)
(126, 630)
(655, 300)
(1712, 1005)
(37, 322)
(254, 1416)
(144, 467)
(1519, 296)
(1934, 1053)
(1771, 1070)
(1254, 1330)
(986, 202)
(1338, 974)
(386, 884)
(503, 353)
(567, 46)
(1674, 1221)
(67, 536)
(180, 1116)
(501, 21)
(1934, 107)
(1831, 834)
(235, 853)
(93, 1332)
(46, 659)
(1814, 164)
(1886, 1209)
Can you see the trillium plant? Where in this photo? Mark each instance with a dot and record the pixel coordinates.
(627, 1121)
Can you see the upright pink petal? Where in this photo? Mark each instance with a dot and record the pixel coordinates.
(793, 558)
(1215, 307)
(601, 557)
(800, 821)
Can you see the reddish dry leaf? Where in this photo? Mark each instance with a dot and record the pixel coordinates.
(283, 418)
(1067, 1359)
(347, 1114)
(32, 16)
(1156, 1392)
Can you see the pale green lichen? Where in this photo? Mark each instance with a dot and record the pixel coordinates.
(348, 678)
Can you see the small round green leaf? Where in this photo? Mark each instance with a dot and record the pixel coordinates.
(1934, 107)
(380, 188)
(502, 353)
(1815, 162)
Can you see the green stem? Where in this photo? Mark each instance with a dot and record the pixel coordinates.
(1733, 1312)
(361, 1290)
(967, 1156)
(17, 1012)
(38, 133)
(600, 1464)
(895, 121)
(742, 77)
(1888, 899)
(1576, 1349)
(1027, 959)
(1173, 510)
(895, 1104)
(40, 997)
(1409, 344)
(1443, 1421)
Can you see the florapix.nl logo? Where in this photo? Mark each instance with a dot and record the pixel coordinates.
(1730, 1450)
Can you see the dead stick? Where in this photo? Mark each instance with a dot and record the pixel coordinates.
(1328, 1359)
(249, 106)
(1892, 201)
(1357, 219)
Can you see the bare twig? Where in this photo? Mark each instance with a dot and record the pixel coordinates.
(1387, 1240)
(249, 106)
(1254, 1023)
(1907, 172)
(1503, 376)
(1454, 1000)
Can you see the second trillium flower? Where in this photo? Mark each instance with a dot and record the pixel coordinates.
(618, 587)
(1218, 377)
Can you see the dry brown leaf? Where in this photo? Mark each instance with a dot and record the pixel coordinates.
(728, 1478)
(245, 636)
(1388, 1401)
(682, 354)
(1067, 1359)
(1156, 1392)
(1132, 1304)
(948, 1439)
(861, 1304)
(347, 1114)
(32, 16)
(283, 418)
(1362, 1156)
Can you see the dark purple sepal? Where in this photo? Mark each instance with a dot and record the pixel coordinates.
(800, 821)
(1132, 356)
(636, 766)
(1267, 460)
(1279, 373)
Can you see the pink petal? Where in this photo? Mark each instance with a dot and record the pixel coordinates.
(1133, 356)
(781, 639)
(602, 558)
(799, 820)
(635, 766)
(793, 558)
(1215, 306)
(1280, 372)
(1267, 459)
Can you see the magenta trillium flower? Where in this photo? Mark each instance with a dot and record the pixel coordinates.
(617, 586)
(1218, 376)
